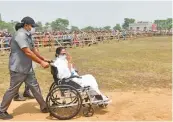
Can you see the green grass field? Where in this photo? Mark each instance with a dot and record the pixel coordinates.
(128, 65)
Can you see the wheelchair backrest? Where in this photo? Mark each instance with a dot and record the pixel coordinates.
(54, 72)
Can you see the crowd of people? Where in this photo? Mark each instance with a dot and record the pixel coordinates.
(5, 38)
(72, 36)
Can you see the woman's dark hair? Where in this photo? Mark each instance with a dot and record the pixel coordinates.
(18, 26)
(58, 50)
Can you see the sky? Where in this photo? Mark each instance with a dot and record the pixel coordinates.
(86, 13)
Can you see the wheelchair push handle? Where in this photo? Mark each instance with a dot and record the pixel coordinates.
(51, 61)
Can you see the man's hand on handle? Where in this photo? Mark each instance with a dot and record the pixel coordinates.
(44, 64)
(46, 60)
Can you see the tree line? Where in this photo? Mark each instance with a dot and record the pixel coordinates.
(61, 24)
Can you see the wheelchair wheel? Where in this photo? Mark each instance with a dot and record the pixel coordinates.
(64, 102)
(53, 85)
(88, 111)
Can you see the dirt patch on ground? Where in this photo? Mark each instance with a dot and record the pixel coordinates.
(155, 104)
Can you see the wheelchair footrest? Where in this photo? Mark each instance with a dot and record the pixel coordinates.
(101, 101)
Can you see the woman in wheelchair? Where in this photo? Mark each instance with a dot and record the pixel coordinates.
(66, 69)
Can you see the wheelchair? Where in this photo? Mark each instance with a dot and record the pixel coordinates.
(66, 98)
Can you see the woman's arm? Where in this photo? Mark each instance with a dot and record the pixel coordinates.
(69, 58)
(71, 65)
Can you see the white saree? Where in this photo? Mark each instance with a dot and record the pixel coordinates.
(86, 80)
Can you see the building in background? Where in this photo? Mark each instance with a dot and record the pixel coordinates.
(143, 26)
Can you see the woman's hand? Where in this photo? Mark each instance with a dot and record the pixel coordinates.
(69, 58)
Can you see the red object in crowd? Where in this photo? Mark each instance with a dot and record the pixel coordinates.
(75, 40)
(154, 27)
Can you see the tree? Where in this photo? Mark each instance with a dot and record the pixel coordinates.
(169, 23)
(161, 24)
(13, 23)
(164, 24)
(107, 27)
(88, 28)
(40, 26)
(60, 24)
(98, 28)
(46, 26)
(117, 27)
(74, 28)
(7, 25)
(10, 28)
(127, 21)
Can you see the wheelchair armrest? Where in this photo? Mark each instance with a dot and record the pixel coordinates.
(75, 76)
